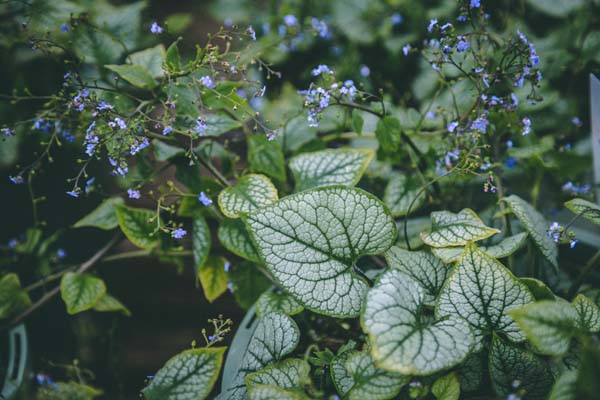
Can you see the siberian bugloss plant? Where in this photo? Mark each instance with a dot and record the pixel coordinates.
(385, 246)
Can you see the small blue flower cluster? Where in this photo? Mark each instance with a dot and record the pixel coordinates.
(557, 231)
(576, 190)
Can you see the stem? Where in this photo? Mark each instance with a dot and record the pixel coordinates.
(49, 295)
(589, 267)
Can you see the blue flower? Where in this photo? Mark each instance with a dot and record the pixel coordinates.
(68, 136)
(133, 194)
(138, 146)
(526, 126)
(121, 123)
(104, 106)
(64, 28)
(462, 18)
(577, 122)
(17, 180)
(7, 132)
(74, 193)
(90, 127)
(430, 115)
(179, 233)
(573, 242)
(61, 254)
(480, 124)
(405, 49)
(208, 82)
(168, 129)
(290, 20)
(321, 69)
(452, 126)
(432, 24)
(204, 199)
(89, 185)
(396, 19)
(365, 71)
(156, 29)
(250, 31)
(510, 162)
(321, 28)
(226, 266)
(462, 45)
(200, 126)
(475, 4)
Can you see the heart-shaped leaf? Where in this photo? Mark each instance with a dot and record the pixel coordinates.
(249, 193)
(342, 379)
(311, 240)
(108, 303)
(137, 225)
(587, 209)
(503, 249)
(400, 193)
(189, 375)
(266, 156)
(447, 387)
(290, 373)
(481, 290)
(404, 339)
(13, 299)
(421, 266)
(450, 229)
(137, 75)
(370, 382)
(104, 216)
(234, 236)
(81, 292)
(275, 336)
(513, 370)
(272, 392)
(213, 278)
(588, 314)
(270, 301)
(549, 325)
(535, 224)
(329, 167)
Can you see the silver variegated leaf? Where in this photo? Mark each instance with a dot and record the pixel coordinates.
(481, 290)
(549, 325)
(287, 374)
(249, 193)
(234, 236)
(270, 301)
(311, 240)
(565, 387)
(588, 314)
(275, 336)
(422, 266)
(400, 193)
(505, 248)
(587, 209)
(272, 392)
(189, 375)
(329, 167)
(450, 229)
(403, 339)
(446, 387)
(341, 377)
(536, 226)
(370, 382)
(514, 370)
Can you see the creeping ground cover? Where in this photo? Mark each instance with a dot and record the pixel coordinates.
(358, 200)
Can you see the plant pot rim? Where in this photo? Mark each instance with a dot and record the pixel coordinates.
(18, 360)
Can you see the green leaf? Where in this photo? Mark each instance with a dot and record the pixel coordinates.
(172, 58)
(67, 391)
(219, 123)
(538, 288)
(138, 225)
(80, 292)
(588, 314)
(400, 193)
(535, 224)
(509, 365)
(266, 156)
(388, 134)
(13, 299)
(449, 229)
(291, 373)
(405, 340)
(275, 336)
(270, 301)
(329, 167)
(164, 152)
(503, 249)
(311, 240)
(151, 59)
(271, 392)
(481, 290)
(447, 387)
(249, 193)
(108, 303)
(137, 75)
(587, 209)
(470, 373)
(191, 374)
(565, 387)
(556, 8)
(357, 121)
(549, 325)
(178, 22)
(370, 382)
(342, 378)
(234, 236)
(213, 278)
(421, 266)
(201, 242)
(588, 385)
(248, 283)
(104, 216)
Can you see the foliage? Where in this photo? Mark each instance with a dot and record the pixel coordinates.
(391, 235)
